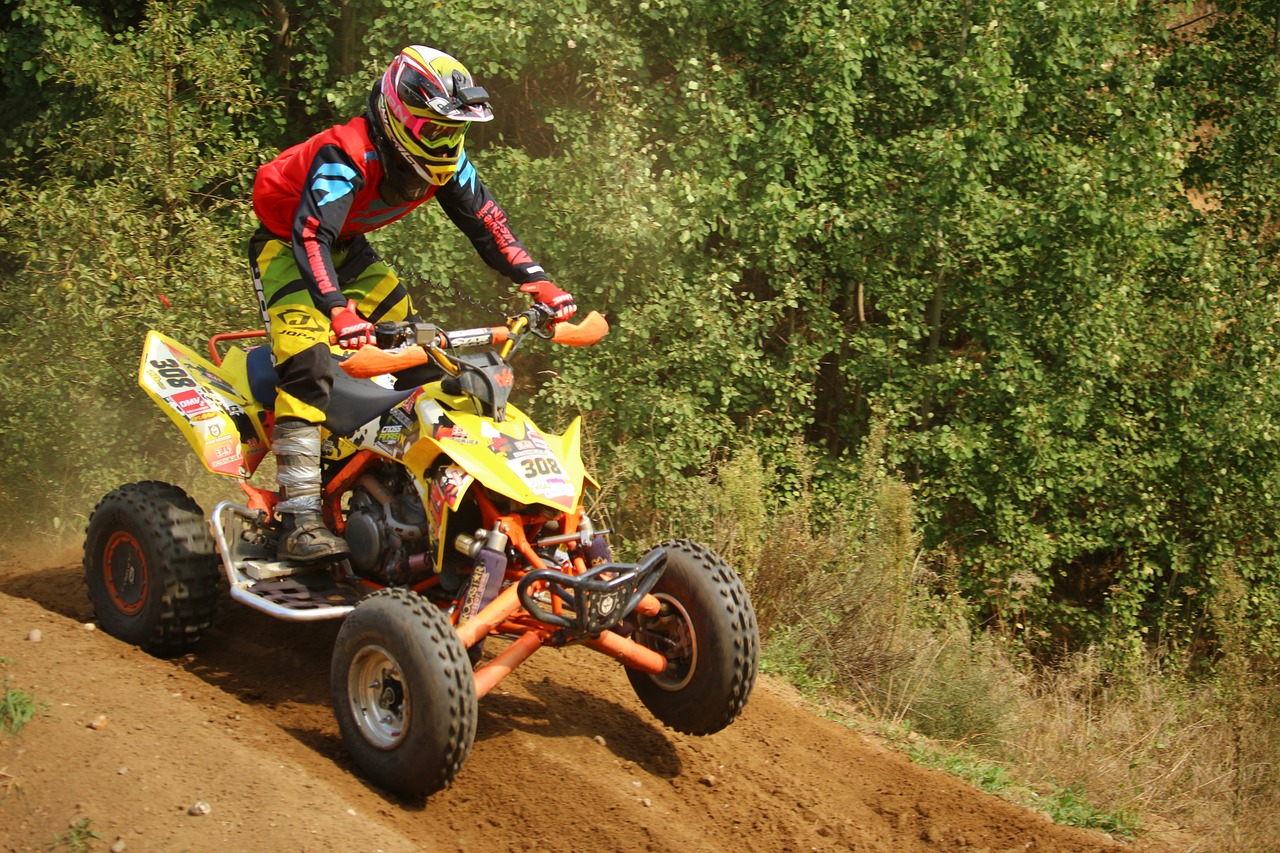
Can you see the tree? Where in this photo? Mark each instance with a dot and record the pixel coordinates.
(133, 221)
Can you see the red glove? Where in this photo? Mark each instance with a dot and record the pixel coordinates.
(349, 329)
(545, 293)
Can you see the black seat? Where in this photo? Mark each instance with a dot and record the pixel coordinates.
(352, 403)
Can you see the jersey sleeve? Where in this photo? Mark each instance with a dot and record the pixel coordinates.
(471, 207)
(327, 196)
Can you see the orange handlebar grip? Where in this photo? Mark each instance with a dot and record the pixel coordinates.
(368, 362)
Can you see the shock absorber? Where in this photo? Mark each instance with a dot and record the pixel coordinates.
(488, 550)
(595, 550)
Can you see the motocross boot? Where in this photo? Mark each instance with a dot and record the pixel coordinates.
(305, 537)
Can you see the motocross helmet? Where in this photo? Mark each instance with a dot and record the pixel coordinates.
(424, 103)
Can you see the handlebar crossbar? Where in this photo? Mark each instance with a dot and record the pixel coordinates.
(369, 361)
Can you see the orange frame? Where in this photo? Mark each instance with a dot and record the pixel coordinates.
(505, 614)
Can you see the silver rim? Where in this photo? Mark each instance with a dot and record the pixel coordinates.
(379, 697)
(679, 644)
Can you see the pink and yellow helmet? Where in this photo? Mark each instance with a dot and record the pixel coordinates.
(427, 101)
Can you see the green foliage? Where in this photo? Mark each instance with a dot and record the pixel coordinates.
(1032, 239)
(968, 219)
(1069, 806)
(950, 685)
(789, 655)
(830, 580)
(140, 229)
(986, 775)
(17, 708)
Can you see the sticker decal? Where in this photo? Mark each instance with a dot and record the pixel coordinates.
(532, 459)
(211, 380)
(191, 404)
(447, 489)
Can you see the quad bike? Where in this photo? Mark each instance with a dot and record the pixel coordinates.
(464, 520)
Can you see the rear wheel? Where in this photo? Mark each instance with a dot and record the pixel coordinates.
(403, 693)
(707, 631)
(151, 568)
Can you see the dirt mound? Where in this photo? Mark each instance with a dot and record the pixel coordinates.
(565, 758)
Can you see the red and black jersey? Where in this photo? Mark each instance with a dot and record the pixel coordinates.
(329, 188)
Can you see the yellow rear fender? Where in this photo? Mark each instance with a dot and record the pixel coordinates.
(210, 405)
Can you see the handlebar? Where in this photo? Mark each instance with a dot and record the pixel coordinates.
(369, 361)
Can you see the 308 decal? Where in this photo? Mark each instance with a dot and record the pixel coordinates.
(172, 373)
(540, 466)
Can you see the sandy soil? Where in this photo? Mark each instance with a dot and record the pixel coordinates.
(565, 759)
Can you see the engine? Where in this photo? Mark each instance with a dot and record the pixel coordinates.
(386, 527)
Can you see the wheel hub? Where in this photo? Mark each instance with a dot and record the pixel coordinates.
(379, 702)
(125, 573)
(672, 635)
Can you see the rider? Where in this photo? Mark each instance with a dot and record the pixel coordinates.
(319, 281)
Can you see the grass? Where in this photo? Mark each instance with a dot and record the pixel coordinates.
(77, 838)
(1069, 805)
(16, 710)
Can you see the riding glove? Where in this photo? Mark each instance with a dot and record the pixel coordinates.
(545, 293)
(349, 330)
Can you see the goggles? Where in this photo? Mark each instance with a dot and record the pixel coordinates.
(429, 132)
(432, 130)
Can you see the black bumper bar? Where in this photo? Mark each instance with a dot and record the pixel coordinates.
(600, 598)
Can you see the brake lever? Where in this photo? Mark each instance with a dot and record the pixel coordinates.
(539, 321)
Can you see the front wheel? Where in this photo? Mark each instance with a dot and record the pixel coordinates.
(403, 693)
(151, 568)
(707, 631)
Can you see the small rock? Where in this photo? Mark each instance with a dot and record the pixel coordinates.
(119, 846)
(89, 626)
(351, 812)
(34, 635)
(123, 771)
(98, 723)
(646, 802)
(199, 807)
(598, 739)
(708, 780)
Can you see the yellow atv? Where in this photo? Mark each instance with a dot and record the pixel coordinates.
(464, 520)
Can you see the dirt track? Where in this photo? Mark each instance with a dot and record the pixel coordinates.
(565, 759)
